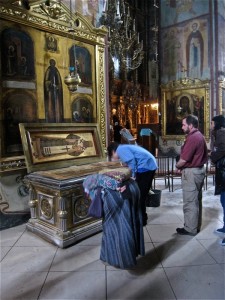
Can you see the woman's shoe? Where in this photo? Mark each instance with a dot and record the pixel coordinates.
(222, 243)
(220, 230)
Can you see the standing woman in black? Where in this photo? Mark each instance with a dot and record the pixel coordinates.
(218, 158)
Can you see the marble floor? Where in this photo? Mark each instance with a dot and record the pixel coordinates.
(174, 267)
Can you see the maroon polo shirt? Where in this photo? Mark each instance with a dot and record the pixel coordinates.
(194, 150)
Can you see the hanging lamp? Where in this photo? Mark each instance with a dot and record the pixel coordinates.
(72, 80)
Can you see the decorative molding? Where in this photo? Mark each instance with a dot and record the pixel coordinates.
(185, 83)
(12, 164)
(222, 97)
(84, 32)
(102, 113)
(36, 17)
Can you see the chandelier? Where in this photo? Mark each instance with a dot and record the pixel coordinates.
(154, 29)
(132, 93)
(123, 36)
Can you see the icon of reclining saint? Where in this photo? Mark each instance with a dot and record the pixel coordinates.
(52, 145)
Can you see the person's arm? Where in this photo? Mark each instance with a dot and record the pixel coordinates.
(181, 162)
(219, 150)
(127, 157)
(188, 152)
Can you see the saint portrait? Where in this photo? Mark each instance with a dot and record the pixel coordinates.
(195, 52)
(51, 43)
(59, 146)
(181, 105)
(82, 111)
(17, 51)
(53, 94)
(80, 59)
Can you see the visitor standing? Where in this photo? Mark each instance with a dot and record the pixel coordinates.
(193, 156)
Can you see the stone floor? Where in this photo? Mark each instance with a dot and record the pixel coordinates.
(174, 267)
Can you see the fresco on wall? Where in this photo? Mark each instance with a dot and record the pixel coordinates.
(221, 8)
(53, 94)
(195, 52)
(185, 51)
(90, 9)
(221, 47)
(176, 11)
(171, 54)
(17, 55)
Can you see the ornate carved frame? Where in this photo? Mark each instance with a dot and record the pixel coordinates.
(222, 97)
(58, 24)
(51, 146)
(193, 91)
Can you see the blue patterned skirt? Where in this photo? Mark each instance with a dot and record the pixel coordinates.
(123, 237)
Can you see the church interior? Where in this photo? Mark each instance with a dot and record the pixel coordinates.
(74, 73)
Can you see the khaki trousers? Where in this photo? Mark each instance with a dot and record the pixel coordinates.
(192, 183)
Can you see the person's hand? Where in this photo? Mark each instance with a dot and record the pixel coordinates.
(121, 189)
(178, 171)
(123, 164)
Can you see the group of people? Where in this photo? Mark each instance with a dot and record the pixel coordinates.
(191, 164)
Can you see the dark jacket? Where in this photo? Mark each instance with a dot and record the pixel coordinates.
(218, 158)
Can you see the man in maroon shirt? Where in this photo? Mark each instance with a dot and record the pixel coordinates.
(191, 163)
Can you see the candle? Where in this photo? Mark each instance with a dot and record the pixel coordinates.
(118, 9)
(134, 25)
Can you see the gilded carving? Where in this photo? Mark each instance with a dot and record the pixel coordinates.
(45, 205)
(81, 206)
(62, 214)
(46, 208)
(48, 29)
(10, 164)
(84, 30)
(222, 97)
(102, 97)
(33, 203)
